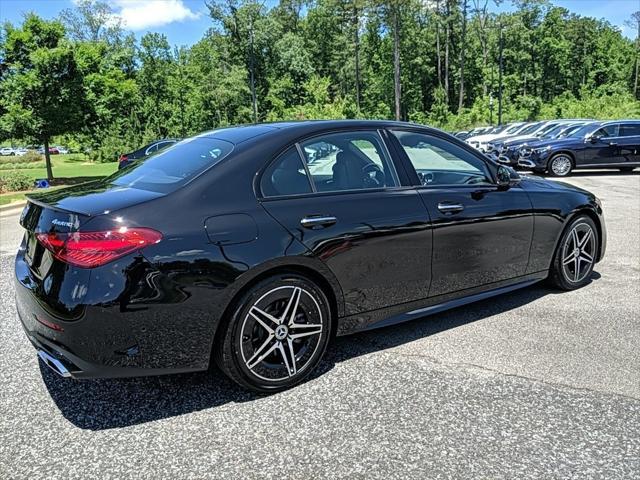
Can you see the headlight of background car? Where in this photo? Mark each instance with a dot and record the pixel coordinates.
(541, 149)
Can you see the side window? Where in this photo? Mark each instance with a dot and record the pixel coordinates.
(630, 130)
(608, 131)
(438, 162)
(348, 161)
(285, 176)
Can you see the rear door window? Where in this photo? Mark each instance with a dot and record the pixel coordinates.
(630, 130)
(354, 160)
(285, 176)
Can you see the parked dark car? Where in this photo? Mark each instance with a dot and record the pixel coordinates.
(508, 152)
(153, 147)
(243, 247)
(614, 144)
(52, 151)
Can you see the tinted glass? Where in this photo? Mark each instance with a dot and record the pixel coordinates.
(438, 162)
(498, 129)
(630, 129)
(172, 167)
(582, 131)
(567, 131)
(285, 176)
(552, 131)
(608, 131)
(547, 128)
(513, 129)
(348, 161)
(530, 129)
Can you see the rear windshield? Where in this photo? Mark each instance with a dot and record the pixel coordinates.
(171, 168)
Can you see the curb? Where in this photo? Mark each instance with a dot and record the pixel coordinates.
(9, 208)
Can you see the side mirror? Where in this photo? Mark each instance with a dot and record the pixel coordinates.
(594, 138)
(506, 177)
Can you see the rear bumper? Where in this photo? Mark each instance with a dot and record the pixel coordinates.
(59, 358)
(101, 339)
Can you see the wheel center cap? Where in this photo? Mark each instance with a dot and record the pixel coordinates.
(281, 332)
(576, 252)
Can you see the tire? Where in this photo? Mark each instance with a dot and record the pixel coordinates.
(560, 165)
(626, 169)
(263, 347)
(576, 251)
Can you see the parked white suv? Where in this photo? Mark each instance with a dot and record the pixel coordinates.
(480, 141)
(7, 151)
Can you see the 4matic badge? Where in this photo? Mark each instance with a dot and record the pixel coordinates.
(61, 223)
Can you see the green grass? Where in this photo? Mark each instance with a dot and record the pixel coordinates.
(70, 166)
(15, 197)
(7, 198)
(68, 169)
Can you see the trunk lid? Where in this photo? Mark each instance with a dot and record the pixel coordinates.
(92, 198)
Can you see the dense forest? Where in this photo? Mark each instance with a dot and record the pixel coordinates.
(84, 80)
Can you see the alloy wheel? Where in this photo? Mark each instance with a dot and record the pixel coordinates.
(578, 252)
(561, 165)
(281, 333)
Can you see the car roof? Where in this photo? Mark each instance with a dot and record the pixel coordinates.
(241, 133)
(608, 122)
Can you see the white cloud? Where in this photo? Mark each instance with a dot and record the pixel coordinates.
(143, 14)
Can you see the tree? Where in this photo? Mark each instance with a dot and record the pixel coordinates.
(634, 22)
(462, 53)
(92, 20)
(42, 88)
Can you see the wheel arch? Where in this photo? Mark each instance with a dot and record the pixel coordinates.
(305, 267)
(598, 223)
(585, 210)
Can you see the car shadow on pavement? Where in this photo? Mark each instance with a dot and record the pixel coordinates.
(598, 173)
(113, 403)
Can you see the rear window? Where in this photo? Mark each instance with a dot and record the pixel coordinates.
(169, 169)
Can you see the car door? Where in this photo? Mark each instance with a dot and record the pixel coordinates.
(602, 147)
(340, 195)
(481, 233)
(629, 144)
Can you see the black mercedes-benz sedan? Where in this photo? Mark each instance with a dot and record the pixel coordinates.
(253, 246)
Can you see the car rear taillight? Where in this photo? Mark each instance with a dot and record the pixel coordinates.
(123, 158)
(93, 249)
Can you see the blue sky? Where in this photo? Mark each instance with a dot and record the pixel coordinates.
(185, 21)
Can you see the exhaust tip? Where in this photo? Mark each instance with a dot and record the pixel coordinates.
(54, 364)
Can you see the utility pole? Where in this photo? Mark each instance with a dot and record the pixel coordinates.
(490, 108)
(396, 61)
(252, 74)
(500, 78)
(636, 17)
(356, 39)
(462, 55)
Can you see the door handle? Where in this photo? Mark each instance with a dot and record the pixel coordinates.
(613, 144)
(447, 207)
(318, 221)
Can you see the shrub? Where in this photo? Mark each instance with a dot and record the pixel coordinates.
(15, 182)
(21, 166)
(29, 157)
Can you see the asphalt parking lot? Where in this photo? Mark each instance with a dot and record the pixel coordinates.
(532, 384)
